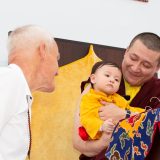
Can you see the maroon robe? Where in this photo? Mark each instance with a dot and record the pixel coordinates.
(142, 99)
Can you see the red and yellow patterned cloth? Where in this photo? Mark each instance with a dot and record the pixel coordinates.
(133, 137)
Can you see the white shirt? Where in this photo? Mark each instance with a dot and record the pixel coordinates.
(14, 106)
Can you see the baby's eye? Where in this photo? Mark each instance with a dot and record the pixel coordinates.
(107, 75)
(117, 80)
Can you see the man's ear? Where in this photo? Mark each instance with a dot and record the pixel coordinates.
(158, 68)
(93, 78)
(42, 50)
(127, 49)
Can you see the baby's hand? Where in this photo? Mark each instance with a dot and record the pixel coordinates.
(108, 126)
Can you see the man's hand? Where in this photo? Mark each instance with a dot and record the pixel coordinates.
(111, 111)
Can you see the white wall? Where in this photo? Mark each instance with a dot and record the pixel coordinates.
(108, 22)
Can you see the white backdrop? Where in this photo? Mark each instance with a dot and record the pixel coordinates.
(108, 22)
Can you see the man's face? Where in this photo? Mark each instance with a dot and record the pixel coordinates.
(139, 64)
(50, 69)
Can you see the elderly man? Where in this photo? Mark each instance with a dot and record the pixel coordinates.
(33, 56)
(141, 62)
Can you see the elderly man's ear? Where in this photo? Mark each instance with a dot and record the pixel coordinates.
(42, 50)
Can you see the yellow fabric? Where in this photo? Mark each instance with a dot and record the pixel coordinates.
(131, 90)
(52, 114)
(89, 107)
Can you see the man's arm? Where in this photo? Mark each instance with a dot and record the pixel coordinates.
(92, 147)
(111, 111)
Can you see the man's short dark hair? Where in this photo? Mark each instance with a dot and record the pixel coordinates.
(149, 39)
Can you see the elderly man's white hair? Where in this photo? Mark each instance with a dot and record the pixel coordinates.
(28, 38)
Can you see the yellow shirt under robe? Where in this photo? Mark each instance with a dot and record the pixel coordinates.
(90, 105)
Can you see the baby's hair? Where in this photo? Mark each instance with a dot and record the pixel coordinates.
(100, 64)
(95, 67)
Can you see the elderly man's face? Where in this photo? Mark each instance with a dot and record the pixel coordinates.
(139, 64)
(49, 69)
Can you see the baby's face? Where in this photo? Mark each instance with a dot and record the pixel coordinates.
(107, 79)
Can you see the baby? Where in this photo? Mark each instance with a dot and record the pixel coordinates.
(105, 80)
